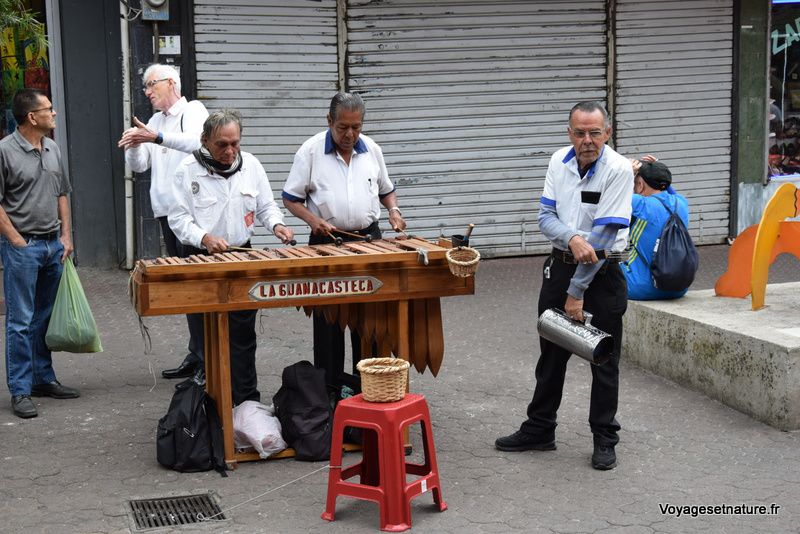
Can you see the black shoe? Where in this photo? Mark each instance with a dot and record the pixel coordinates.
(604, 457)
(198, 378)
(186, 369)
(23, 406)
(54, 389)
(520, 441)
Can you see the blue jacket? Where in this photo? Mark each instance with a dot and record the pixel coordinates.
(647, 221)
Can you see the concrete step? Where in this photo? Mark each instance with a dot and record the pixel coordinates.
(749, 360)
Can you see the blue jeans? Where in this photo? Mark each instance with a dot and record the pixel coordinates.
(30, 281)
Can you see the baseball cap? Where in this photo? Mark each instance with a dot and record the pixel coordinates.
(656, 175)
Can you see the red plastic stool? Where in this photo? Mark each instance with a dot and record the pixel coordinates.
(383, 466)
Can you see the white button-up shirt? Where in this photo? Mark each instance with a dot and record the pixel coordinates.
(208, 203)
(346, 196)
(601, 197)
(181, 126)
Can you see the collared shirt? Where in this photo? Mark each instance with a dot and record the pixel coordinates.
(601, 197)
(31, 182)
(181, 126)
(208, 203)
(649, 218)
(347, 196)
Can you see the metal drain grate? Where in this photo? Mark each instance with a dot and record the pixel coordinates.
(172, 511)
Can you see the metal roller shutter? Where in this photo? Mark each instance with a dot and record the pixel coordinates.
(469, 99)
(276, 62)
(674, 81)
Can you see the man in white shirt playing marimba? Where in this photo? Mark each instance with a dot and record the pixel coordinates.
(219, 194)
(338, 181)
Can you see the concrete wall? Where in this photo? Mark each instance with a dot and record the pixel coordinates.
(749, 360)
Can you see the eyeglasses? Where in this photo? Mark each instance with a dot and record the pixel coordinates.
(49, 110)
(152, 83)
(580, 134)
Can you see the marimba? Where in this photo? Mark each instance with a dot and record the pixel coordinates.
(388, 290)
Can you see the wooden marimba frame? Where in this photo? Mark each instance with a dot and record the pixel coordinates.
(388, 290)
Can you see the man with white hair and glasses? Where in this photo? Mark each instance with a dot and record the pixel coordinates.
(169, 136)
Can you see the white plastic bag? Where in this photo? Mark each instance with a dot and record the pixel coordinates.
(255, 425)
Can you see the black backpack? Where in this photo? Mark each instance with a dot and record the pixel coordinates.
(304, 410)
(674, 262)
(189, 437)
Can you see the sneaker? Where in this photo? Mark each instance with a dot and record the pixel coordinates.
(520, 441)
(604, 457)
(55, 390)
(23, 406)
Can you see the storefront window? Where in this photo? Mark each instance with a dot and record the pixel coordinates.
(784, 90)
(23, 64)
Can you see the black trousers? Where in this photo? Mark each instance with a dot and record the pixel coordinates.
(194, 321)
(329, 338)
(242, 343)
(606, 300)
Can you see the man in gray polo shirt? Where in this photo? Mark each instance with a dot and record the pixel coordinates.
(35, 239)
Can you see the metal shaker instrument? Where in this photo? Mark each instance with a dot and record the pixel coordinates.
(580, 338)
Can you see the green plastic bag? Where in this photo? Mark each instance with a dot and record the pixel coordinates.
(72, 327)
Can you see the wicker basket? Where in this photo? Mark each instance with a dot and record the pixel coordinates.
(463, 261)
(383, 379)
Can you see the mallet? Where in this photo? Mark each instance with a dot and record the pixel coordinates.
(293, 242)
(367, 238)
(336, 239)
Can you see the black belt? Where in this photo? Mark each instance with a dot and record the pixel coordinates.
(610, 256)
(369, 230)
(49, 236)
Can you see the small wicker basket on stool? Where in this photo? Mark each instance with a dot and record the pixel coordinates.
(463, 261)
(383, 379)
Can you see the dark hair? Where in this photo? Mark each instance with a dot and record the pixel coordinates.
(590, 106)
(348, 101)
(656, 175)
(221, 118)
(25, 101)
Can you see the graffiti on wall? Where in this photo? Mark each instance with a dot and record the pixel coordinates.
(23, 65)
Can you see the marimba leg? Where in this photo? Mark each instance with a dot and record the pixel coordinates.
(218, 377)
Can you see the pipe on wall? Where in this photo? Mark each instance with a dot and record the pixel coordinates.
(127, 120)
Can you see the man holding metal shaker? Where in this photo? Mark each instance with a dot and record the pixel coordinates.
(585, 213)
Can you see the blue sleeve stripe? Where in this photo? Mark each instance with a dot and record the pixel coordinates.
(616, 221)
(548, 202)
(387, 194)
(292, 198)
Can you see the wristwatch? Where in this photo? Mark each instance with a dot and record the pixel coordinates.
(395, 208)
(159, 138)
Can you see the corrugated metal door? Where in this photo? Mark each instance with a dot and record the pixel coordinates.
(674, 81)
(469, 99)
(276, 62)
